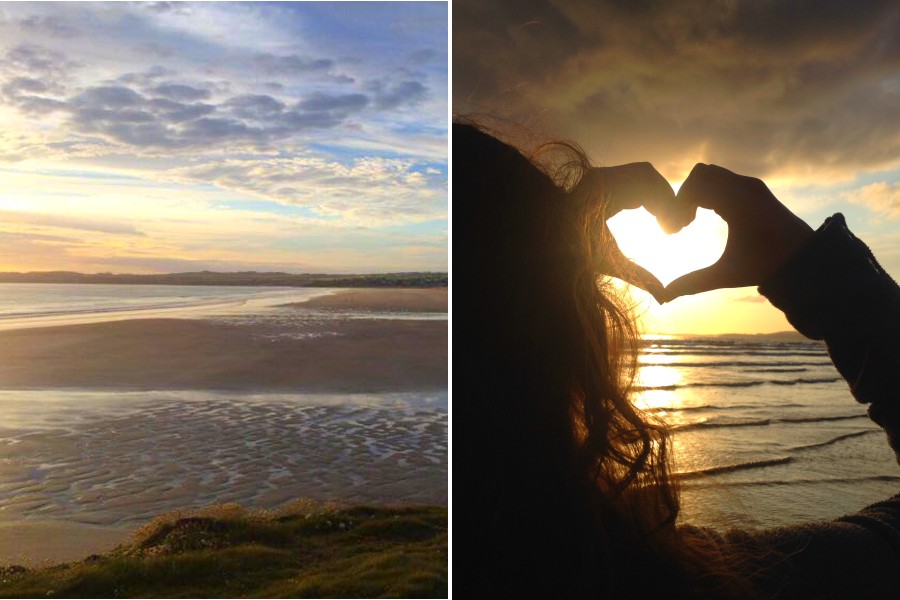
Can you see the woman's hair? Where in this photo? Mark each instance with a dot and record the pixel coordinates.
(566, 485)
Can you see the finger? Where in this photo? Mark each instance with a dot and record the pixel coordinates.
(615, 264)
(701, 280)
(640, 184)
(680, 216)
(717, 188)
(632, 186)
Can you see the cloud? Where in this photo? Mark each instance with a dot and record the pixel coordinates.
(35, 78)
(784, 89)
(108, 97)
(159, 7)
(341, 103)
(881, 197)
(168, 116)
(183, 93)
(255, 107)
(148, 77)
(50, 25)
(164, 264)
(67, 222)
(272, 64)
(756, 298)
(426, 55)
(18, 236)
(362, 189)
(36, 60)
(405, 92)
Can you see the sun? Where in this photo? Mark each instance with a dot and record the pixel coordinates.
(698, 245)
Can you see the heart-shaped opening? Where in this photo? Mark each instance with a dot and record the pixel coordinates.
(698, 245)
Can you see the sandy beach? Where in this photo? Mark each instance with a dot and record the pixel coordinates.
(108, 424)
(407, 300)
(314, 355)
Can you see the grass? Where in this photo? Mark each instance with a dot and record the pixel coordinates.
(303, 550)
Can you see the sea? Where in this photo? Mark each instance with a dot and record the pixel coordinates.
(765, 431)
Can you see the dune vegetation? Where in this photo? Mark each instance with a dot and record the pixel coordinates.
(303, 549)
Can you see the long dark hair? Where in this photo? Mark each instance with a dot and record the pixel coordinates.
(566, 485)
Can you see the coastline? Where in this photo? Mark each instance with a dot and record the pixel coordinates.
(222, 361)
(350, 355)
(374, 299)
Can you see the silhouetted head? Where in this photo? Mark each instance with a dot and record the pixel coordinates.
(563, 483)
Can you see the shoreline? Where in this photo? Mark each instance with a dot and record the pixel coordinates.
(81, 480)
(414, 300)
(297, 351)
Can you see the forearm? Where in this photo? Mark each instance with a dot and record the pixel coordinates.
(833, 289)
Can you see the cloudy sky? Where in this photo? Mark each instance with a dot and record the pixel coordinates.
(805, 95)
(157, 137)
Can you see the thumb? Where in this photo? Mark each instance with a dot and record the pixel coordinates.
(701, 280)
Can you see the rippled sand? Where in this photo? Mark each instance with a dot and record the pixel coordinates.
(107, 425)
(165, 453)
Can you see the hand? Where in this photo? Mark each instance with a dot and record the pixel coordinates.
(632, 186)
(762, 233)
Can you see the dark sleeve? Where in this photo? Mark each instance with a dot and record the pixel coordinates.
(833, 289)
(857, 556)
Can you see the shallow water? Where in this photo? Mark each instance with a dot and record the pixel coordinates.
(113, 458)
(47, 304)
(765, 433)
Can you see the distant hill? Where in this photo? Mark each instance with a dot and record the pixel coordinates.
(414, 279)
(779, 336)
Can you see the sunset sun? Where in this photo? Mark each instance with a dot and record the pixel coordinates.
(698, 245)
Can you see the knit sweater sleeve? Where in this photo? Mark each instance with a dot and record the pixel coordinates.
(833, 289)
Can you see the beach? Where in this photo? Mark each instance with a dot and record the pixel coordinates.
(315, 355)
(109, 424)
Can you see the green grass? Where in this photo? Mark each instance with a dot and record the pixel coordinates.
(301, 550)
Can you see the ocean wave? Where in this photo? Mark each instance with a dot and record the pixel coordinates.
(775, 482)
(756, 464)
(717, 424)
(729, 343)
(834, 440)
(738, 363)
(719, 407)
(782, 460)
(735, 352)
(162, 304)
(736, 384)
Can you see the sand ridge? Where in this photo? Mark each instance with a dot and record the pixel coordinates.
(382, 299)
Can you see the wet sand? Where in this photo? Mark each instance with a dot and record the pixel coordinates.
(356, 355)
(113, 461)
(39, 542)
(175, 413)
(408, 300)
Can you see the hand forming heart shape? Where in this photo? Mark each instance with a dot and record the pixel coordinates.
(762, 232)
(698, 245)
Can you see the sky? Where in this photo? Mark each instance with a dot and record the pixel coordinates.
(804, 95)
(147, 137)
